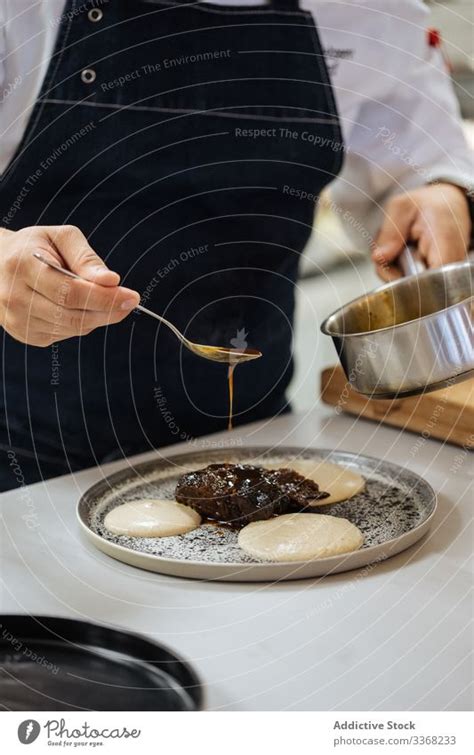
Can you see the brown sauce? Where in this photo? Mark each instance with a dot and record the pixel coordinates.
(233, 362)
(230, 382)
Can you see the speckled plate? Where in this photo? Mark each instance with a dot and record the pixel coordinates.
(393, 512)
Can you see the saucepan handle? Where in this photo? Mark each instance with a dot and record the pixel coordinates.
(410, 262)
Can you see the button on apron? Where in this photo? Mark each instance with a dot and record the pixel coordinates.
(95, 15)
(88, 75)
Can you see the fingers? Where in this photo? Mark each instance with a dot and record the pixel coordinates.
(34, 319)
(388, 273)
(39, 305)
(435, 217)
(79, 256)
(29, 331)
(78, 294)
(400, 213)
(64, 323)
(438, 238)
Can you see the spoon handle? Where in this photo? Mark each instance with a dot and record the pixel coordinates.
(146, 311)
(169, 324)
(55, 266)
(410, 262)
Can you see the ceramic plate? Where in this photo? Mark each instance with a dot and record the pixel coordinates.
(393, 512)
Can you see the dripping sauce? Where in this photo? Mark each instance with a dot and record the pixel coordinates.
(233, 362)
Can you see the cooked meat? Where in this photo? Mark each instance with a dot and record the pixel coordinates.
(239, 493)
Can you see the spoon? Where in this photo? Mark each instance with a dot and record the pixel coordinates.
(214, 353)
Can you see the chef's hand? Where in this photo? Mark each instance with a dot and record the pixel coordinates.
(435, 218)
(38, 305)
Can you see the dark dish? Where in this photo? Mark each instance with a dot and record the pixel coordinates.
(50, 663)
(236, 494)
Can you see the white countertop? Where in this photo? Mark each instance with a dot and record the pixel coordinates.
(392, 637)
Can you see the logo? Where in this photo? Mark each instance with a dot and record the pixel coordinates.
(28, 731)
(240, 340)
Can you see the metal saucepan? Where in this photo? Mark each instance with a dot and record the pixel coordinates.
(410, 336)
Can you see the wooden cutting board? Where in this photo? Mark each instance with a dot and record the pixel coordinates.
(447, 414)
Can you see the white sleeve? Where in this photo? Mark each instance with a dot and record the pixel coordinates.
(399, 114)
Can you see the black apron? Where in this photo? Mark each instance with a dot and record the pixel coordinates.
(183, 140)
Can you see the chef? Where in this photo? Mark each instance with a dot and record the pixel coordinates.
(173, 152)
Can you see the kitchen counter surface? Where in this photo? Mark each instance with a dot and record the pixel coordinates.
(394, 636)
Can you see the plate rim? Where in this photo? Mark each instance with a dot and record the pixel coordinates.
(195, 689)
(164, 462)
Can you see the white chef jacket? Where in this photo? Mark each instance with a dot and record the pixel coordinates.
(399, 116)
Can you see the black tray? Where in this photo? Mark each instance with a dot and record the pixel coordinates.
(49, 663)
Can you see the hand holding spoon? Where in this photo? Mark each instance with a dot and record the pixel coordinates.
(214, 353)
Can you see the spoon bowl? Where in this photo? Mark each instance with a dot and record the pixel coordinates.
(214, 353)
(221, 354)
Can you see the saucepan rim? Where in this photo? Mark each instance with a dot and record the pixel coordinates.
(434, 272)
